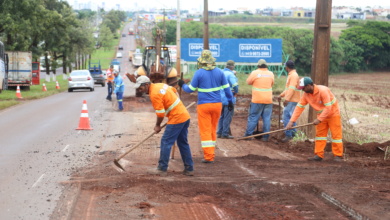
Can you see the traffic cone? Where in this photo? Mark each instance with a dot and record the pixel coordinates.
(44, 87)
(18, 94)
(57, 85)
(84, 119)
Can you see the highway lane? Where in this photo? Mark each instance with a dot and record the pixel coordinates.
(40, 147)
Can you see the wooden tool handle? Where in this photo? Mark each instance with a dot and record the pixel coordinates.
(150, 135)
(299, 126)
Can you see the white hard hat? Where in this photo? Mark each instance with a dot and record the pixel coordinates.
(141, 80)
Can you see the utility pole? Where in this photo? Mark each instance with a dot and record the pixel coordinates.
(321, 49)
(178, 40)
(206, 25)
(164, 27)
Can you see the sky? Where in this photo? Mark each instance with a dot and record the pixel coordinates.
(225, 4)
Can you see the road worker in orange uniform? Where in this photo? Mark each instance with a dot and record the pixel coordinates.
(167, 103)
(110, 81)
(262, 81)
(209, 81)
(328, 117)
(291, 97)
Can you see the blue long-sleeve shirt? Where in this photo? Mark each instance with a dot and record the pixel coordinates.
(209, 84)
(119, 85)
(233, 83)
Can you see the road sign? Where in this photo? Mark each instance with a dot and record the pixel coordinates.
(239, 50)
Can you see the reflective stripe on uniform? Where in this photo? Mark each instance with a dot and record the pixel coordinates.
(300, 105)
(211, 89)
(225, 86)
(320, 111)
(192, 88)
(208, 143)
(160, 111)
(172, 106)
(321, 138)
(331, 102)
(235, 84)
(262, 90)
(119, 100)
(119, 85)
(337, 140)
(294, 88)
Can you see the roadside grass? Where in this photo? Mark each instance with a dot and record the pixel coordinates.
(105, 55)
(8, 97)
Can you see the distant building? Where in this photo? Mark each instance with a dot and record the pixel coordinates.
(286, 13)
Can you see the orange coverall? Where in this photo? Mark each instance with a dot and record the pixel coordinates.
(292, 94)
(328, 112)
(167, 103)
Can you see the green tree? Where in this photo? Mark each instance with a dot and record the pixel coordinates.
(105, 37)
(373, 37)
(352, 59)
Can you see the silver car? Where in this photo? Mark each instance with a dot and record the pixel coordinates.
(80, 79)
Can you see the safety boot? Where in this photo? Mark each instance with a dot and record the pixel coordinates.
(207, 161)
(315, 158)
(338, 159)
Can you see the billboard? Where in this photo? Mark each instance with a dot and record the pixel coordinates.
(239, 50)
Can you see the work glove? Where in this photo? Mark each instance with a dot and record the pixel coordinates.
(230, 106)
(180, 83)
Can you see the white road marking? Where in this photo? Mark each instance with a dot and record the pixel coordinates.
(66, 147)
(39, 180)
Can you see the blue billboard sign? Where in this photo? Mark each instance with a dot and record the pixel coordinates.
(239, 50)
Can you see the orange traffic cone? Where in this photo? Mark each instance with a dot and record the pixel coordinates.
(44, 87)
(18, 94)
(57, 85)
(84, 119)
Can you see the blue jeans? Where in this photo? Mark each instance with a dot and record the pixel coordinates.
(119, 97)
(255, 112)
(109, 89)
(287, 113)
(172, 133)
(224, 121)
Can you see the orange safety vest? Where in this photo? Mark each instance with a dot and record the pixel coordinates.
(167, 104)
(262, 81)
(292, 93)
(322, 100)
(110, 76)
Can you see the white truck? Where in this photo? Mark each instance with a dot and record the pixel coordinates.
(20, 69)
(137, 58)
(3, 68)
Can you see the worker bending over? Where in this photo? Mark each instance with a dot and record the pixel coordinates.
(166, 103)
(328, 117)
(208, 80)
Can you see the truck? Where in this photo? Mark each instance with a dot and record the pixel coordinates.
(131, 31)
(137, 58)
(117, 65)
(3, 68)
(96, 71)
(20, 69)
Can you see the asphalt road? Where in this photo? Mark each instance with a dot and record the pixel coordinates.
(40, 147)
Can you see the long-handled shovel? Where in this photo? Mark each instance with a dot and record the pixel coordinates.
(116, 161)
(299, 126)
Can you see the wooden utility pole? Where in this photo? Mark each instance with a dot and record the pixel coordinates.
(321, 49)
(206, 26)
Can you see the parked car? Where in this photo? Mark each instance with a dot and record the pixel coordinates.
(120, 47)
(123, 35)
(80, 79)
(119, 55)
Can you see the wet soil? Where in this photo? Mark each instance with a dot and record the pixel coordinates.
(249, 179)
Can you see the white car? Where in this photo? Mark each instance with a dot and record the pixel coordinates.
(80, 79)
(119, 55)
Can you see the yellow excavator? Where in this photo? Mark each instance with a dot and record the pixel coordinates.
(156, 64)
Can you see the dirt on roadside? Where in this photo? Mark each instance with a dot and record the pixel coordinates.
(249, 179)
